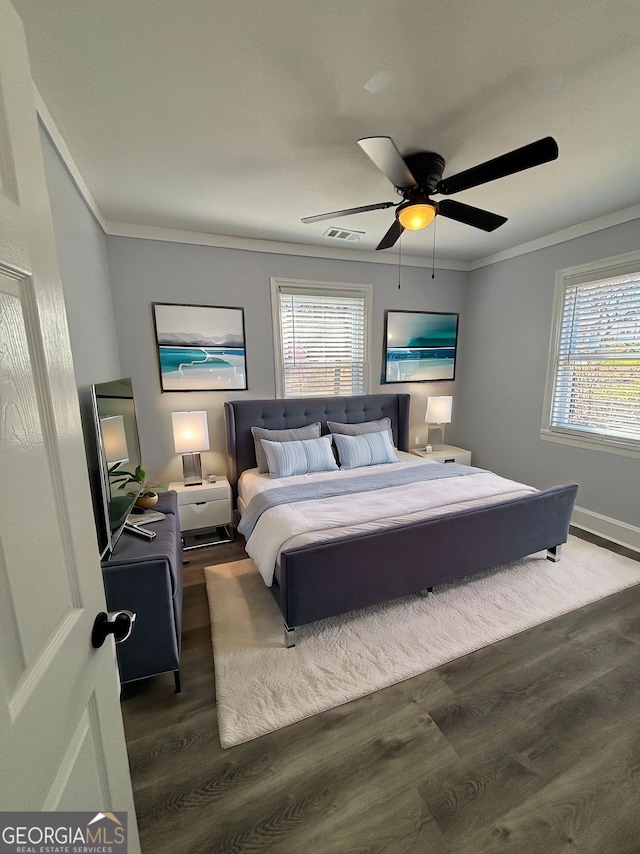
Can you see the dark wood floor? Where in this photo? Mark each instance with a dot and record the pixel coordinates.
(531, 745)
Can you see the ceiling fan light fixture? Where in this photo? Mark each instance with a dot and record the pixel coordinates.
(416, 216)
(416, 177)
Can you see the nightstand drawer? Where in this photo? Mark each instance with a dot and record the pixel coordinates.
(464, 458)
(207, 505)
(206, 514)
(448, 454)
(218, 491)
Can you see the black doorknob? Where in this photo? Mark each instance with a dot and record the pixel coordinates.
(116, 623)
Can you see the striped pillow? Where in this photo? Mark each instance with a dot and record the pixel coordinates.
(288, 458)
(361, 427)
(292, 434)
(370, 449)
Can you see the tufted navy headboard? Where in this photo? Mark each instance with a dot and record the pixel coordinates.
(242, 415)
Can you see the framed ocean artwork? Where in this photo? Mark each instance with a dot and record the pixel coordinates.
(200, 347)
(419, 346)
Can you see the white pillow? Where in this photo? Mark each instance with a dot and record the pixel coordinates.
(307, 455)
(369, 449)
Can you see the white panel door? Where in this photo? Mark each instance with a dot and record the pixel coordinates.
(61, 736)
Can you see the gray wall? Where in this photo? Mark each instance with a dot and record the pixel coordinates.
(82, 253)
(146, 271)
(505, 327)
(503, 363)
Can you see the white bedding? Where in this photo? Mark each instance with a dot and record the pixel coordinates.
(289, 525)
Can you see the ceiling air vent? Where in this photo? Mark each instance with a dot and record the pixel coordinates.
(343, 234)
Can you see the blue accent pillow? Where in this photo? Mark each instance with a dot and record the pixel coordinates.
(369, 449)
(299, 457)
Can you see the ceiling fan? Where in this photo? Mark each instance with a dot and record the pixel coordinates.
(417, 177)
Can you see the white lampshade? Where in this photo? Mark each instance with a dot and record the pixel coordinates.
(190, 432)
(114, 439)
(439, 410)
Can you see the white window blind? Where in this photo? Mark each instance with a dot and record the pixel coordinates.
(596, 389)
(323, 332)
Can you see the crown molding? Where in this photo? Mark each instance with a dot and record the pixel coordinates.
(53, 132)
(580, 230)
(174, 235)
(171, 235)
(275, 247)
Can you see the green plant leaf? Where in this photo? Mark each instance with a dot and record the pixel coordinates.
(126, 477)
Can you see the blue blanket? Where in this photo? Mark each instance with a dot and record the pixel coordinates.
(343, 486)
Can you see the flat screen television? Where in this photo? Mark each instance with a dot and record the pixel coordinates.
(112, 446)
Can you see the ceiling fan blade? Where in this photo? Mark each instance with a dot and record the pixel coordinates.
(348, 212)
(530, 155)
(470, 216)
(383, 152)
(391, 236)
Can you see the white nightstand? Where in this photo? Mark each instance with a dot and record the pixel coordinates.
(204, 512)
(445, 454)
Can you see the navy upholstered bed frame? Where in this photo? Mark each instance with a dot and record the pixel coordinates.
(324, 579)
(242, 415)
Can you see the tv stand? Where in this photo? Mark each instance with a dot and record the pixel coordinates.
(145, 577)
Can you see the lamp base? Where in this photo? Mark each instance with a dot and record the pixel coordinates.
(192, 469)
(439, 427)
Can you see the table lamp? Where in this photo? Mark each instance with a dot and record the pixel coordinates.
(438, 414)
(190, 436)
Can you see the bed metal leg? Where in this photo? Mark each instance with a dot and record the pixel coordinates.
(554, 553)
(425, 592)
(289, 635)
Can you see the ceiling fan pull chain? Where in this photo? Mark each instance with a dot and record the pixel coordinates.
(399, 260)
(433, 258)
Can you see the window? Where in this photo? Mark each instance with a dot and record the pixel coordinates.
(593, 389)
(321, 334)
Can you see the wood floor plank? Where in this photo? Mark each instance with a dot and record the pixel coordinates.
(512, 769)
(528, 746)
(391, 823)
(360, 790)
(586, 810)
(195, 607)
(195, 560)
(525, 648)
(522, 689)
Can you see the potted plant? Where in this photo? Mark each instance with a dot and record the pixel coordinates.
(147, 497)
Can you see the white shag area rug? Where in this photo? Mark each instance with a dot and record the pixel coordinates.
(261, 686)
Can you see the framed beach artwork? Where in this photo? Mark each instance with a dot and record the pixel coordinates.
(419, 346)
(200, 347)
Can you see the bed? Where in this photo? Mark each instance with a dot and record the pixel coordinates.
(365, 566)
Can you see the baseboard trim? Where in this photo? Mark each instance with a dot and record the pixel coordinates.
(606, 527)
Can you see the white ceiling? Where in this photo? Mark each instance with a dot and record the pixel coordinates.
(240, 117)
